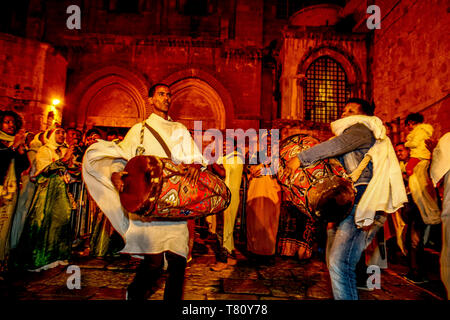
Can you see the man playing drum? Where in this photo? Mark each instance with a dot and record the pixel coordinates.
(360, 137)
(161, 243)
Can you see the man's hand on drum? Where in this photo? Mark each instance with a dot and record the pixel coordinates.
(116, 179)
(292, 166)
(192, 174)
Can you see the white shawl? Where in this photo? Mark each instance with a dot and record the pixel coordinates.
(105, 157)
(98, 166)
(385, 191)
(440, 163)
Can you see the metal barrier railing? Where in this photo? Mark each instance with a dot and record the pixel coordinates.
(81, 220)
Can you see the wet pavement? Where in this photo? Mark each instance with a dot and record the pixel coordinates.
(283, 279)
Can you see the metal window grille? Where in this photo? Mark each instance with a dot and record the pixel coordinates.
(326, 90)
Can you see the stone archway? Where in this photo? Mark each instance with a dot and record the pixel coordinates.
(197, 95)
(351, 69)
(195, 100)
(110, 97)
(112, 102)
(316, 15)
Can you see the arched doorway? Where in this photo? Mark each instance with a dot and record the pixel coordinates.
(195, 100)
(110, 97)
(113, 105)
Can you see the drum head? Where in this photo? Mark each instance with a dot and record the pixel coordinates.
(142, 185)
(332, 199)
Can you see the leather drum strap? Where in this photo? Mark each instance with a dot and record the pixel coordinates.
(362, 165)
(160, 140)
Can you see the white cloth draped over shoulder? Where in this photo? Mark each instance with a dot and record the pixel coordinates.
(385, 191)
(440, 164)
(103, 158)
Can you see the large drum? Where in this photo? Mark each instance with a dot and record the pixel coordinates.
(322, 190)
(154, 189)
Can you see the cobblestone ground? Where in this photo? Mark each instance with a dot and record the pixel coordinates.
(285, 279)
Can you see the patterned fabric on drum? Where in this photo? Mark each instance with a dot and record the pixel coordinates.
(210, 195)
(309, 183)
(167, 196)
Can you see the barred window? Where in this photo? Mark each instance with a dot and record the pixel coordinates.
(326, 90)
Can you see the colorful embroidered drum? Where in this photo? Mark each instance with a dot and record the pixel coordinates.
(154, 189)
(322, 190)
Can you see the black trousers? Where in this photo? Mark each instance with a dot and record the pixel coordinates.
(219, 250)
(415, 235)
(149, 271)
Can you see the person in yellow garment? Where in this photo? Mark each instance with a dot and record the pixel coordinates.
(417, 168)
(233, 163)
(262, 209)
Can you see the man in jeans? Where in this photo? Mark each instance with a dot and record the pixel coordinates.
(378, 184)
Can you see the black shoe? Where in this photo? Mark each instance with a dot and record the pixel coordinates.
(135, 293)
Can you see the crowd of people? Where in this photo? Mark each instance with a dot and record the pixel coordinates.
(45, 209)
(59, 195)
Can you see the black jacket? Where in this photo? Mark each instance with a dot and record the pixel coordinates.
(6, 155)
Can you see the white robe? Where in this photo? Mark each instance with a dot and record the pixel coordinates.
(103, 158)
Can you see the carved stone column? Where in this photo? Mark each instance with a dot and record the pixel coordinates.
(300, 85)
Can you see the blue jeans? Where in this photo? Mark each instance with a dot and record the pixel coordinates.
(344, 249)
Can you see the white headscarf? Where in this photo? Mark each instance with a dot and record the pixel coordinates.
(47, 153)
(51, 141)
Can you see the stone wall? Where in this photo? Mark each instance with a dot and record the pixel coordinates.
(411, 61)
(405, 70)
(32, 74)
(153, 44)
(233, 72)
